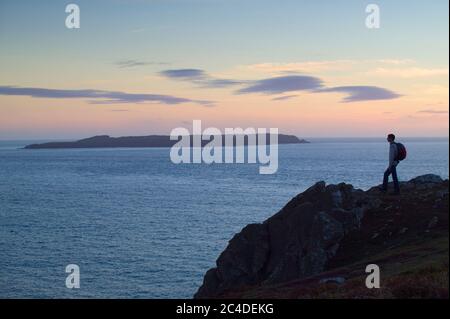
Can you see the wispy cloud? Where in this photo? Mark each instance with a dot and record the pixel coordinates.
(98, 96)
(137, 63)
(293, 83)
(198, 77)
(320, 66)
(301, 67)
(396, 61)
(283, 98)
(282, 84)
(184, 74)
(363, 93)
(402, 68)
(431, 111)
(410, 72)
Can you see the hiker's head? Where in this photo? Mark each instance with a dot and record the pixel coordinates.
(391, 138)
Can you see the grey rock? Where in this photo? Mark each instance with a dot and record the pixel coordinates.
(295, 243)
(427, 179)
(301, 239)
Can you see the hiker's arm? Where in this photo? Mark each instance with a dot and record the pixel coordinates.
(392, 155)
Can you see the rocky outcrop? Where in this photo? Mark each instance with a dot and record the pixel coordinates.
(300, 240)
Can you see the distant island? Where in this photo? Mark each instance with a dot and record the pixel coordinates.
(103, 141)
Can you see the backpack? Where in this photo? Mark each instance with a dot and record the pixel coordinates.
(401, 152)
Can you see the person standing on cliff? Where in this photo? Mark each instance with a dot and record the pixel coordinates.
(392, 168)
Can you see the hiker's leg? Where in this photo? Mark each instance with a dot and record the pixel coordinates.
(395, 178)
(386, 179)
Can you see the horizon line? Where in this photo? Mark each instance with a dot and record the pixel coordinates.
(300, 137)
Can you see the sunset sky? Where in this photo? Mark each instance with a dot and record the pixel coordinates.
(309, 68)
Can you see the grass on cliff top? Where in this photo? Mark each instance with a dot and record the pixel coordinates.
(415, 271)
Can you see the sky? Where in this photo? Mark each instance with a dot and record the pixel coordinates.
(139, 67)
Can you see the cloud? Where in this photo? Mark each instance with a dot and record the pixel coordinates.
(402, 68)
(293, 83)
(396, 61)
(282, 84)
(412, 72)
(363, 93)
(219, 83)
(319, 66)
(303, 67)
(283, 98)
(198, 77)
(136, 63)
(184, 74)
(431, 111)
(98, 96)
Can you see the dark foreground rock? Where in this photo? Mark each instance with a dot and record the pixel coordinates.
(315, 238)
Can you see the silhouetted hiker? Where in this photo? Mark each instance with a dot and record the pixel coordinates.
(397, 152)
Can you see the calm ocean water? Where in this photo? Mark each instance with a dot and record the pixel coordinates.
(141, 227)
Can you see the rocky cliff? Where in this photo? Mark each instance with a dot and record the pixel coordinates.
(327, 234)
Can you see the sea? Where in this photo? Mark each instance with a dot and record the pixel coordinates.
(139, 226)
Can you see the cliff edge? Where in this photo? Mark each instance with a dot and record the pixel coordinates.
(319, 244)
